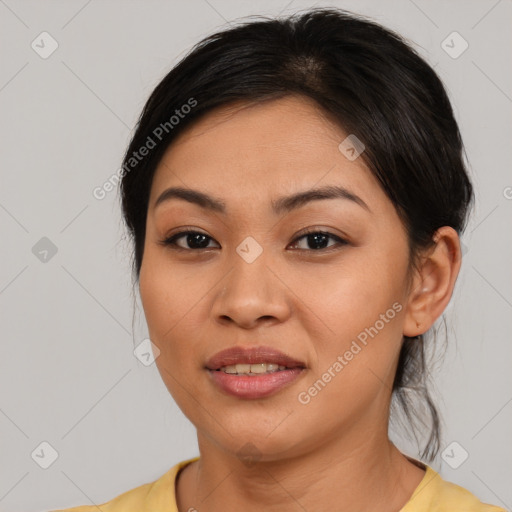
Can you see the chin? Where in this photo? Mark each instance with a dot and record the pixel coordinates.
(258, 441)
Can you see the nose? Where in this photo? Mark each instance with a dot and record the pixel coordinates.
(252, 294)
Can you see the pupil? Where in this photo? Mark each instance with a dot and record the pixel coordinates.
(196, 237)
(318, 238)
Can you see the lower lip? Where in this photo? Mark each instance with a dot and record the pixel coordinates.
(257, 386)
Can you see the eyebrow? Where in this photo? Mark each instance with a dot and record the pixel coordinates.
(281, 205)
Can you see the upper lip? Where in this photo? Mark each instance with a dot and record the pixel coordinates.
(253, 355)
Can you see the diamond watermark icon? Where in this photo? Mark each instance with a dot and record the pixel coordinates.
(44, 45)
(249, 453)
(44, 250)
(146, 352)
(454, 455)
(351, 147)
(44, 455)
(454, 45)
(249, 249)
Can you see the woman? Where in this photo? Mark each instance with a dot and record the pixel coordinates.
(295, 190)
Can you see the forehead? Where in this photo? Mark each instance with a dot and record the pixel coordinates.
(248, 150)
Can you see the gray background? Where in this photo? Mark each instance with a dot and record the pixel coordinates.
(68, 374)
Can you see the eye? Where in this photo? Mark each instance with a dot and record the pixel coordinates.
(317, 240)
(192, 239)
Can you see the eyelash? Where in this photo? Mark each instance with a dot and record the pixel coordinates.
(171, 241)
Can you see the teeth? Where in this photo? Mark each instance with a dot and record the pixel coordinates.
(252, 369)
(257, 368)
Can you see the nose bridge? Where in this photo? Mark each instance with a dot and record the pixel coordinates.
(251, 290)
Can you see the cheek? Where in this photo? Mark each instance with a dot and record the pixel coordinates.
(167, 295)
(154, 285)
(360, 306)
(351, 296)
(168, 299)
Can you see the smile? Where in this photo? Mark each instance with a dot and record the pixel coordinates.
(252, 369)
(251, 373)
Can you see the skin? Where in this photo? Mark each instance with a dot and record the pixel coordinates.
(311, 304)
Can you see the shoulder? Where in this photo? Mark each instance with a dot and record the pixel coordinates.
(434, 494)
(154, 496)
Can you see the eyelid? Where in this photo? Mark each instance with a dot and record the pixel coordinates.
(319, 229)
(341, 240)
(170, 240)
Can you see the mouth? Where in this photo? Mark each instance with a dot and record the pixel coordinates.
(253, 372)
(255, 360)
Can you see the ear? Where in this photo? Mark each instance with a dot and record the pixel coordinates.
(433, 282)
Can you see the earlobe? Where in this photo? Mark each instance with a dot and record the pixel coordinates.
(433, 282)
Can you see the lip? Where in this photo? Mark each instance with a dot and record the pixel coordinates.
(254, 355)
(257, 386)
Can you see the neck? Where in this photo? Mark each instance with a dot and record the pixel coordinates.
(358, 472)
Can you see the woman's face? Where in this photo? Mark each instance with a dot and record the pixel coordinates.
(333, 303)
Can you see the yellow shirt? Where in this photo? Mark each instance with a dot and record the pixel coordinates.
(433, 494)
